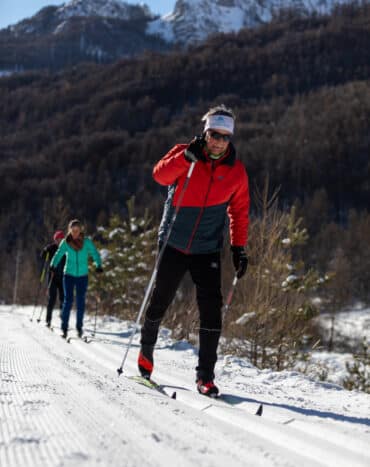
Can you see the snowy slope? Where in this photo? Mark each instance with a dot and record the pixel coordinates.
(63, 404)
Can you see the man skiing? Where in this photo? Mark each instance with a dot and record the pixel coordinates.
(217, 189)
(55, 279)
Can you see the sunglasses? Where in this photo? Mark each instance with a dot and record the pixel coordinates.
(218, 136)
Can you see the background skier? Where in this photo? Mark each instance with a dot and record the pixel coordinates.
(55, 278)
(77, 248)
(217, 188)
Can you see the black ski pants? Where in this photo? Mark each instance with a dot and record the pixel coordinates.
(55, 287)
(205, 272)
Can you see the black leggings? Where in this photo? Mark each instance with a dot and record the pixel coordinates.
(56, 286)
(205, 271)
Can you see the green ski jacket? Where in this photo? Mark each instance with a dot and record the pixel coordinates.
(77, 261)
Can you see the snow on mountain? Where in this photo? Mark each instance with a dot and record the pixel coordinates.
(58, 19)
(79, 30)
(104, 8)
(63, 404)
(195, 20)
(106, 30)
(191, 20)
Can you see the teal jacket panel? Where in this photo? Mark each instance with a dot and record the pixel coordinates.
(77, 262)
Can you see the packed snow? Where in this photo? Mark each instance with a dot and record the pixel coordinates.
(64, 405)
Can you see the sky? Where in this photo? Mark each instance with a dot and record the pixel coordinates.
(12, 11)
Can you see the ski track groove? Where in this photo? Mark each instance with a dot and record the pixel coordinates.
(147, 398)
(84, 412)
(304, 432)
(332, 432)
(154, 439)
(21, 425)
(91, 365)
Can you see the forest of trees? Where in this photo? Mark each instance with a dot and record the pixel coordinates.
(81, 142)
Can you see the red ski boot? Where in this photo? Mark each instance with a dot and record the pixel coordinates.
(145, 360)
(207, 388)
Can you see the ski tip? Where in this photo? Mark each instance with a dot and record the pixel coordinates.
(119, 371)
(259, 410)
(174, 395)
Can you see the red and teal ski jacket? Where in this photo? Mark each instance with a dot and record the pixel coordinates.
(217, 191)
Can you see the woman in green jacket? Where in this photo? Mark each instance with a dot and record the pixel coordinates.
(77, 249)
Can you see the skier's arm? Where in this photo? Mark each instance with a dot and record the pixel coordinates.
(45, 253)
(94, 253)
(172, 166)
(238, 212)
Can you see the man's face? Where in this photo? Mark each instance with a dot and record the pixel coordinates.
(217, 141)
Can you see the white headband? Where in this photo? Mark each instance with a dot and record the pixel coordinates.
(220, 122)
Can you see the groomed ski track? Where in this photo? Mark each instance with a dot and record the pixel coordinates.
(64, 405)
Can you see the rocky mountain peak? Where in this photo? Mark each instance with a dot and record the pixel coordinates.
(104, 8)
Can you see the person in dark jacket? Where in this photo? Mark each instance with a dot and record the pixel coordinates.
(55, 280)
(217, 190)
(77, 248)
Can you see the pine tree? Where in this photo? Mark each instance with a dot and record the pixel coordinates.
(359, 370)
(273, 308)
(128, 248)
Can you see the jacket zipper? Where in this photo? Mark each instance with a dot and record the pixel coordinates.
(77, 262)
(197, 222)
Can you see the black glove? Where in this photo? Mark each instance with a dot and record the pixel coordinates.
(99, 269)
(52, 269)
(240, 260)
(194, 152)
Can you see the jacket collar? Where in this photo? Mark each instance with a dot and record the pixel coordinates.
(228, 158)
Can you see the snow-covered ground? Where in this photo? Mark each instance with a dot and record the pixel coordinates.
(351, 326)
(64, 405)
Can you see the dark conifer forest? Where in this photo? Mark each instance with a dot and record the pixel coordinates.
(81, 142)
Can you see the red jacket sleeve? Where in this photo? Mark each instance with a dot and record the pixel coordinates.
(172, 166)
(238, 210)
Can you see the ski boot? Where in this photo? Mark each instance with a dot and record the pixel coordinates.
(145, 361)
(207, 388)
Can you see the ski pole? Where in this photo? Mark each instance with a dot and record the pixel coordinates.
(42, 308)
(40, 283)
(156, 266)
(96, 314)
(229, 296)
